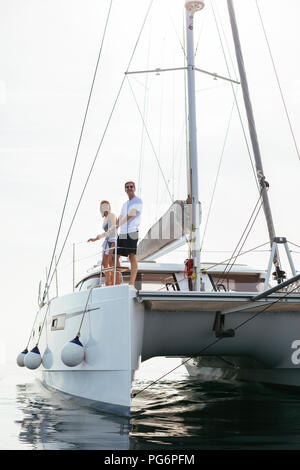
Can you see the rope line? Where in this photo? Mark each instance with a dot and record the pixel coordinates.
(85, 309)
(32, 330)
(45, 316)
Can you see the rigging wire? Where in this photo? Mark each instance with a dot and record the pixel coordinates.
(41, 329)
(180, 152)
(233, 65)
(162, 95)
(235, 98)
(217, 177)
(233, 256)
(243, 253)
(85, 310)
(200, 34)
(204, 270)
(298, 246)
(150, 140)
(26, 349)
(182, 45)
(78, 144)
(103, 135)
(278, 81)
(143, 128)
(199, 353)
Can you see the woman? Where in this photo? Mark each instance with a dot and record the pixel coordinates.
(110, 236)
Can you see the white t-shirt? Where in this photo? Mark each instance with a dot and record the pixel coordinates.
(133, 224)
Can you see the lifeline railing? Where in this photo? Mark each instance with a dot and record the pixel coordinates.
(71, 252)
(99, 254)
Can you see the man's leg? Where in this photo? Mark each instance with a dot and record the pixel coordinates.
(134, 268)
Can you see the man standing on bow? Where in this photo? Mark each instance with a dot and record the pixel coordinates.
(129, 222)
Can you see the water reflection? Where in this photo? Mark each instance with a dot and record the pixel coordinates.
(181, 414)
(51, 422)
(216, 415)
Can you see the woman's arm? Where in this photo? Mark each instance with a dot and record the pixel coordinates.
(98, 237)
(113, 221)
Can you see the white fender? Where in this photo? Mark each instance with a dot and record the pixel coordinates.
(47, 360)
(72, 353)
(33, 359)
(21, 357)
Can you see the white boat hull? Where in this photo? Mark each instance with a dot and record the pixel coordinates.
(103, 390)
(111, 334)
(285, 378)
(122, 327)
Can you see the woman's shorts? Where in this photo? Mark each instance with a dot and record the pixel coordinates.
(106, 247)
(127, 243)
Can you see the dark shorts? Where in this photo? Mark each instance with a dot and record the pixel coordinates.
(127, 243)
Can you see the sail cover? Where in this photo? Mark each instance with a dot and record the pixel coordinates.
(170, 230)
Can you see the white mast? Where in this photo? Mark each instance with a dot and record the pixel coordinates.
(191, 8)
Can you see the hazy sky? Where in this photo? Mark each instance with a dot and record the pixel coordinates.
(48, 52)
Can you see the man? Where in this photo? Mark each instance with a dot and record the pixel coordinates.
(129, 222)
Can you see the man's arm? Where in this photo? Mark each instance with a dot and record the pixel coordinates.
(124, 219)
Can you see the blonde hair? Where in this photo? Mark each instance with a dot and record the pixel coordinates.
(101, 210)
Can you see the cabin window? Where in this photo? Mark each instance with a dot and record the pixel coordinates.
(237, 283)
(151, 281)
(144, 281)
(156, 281)
(90, 283)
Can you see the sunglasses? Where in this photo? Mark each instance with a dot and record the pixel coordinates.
(129, 186)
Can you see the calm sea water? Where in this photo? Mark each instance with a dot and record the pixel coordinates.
(178, 413)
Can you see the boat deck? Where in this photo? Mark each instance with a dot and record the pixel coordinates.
(215, 301)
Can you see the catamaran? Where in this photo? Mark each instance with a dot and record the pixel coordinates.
(223, 323)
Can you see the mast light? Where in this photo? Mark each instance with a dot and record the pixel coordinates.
(194, 6)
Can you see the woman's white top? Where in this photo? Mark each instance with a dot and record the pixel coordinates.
(111, 236)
